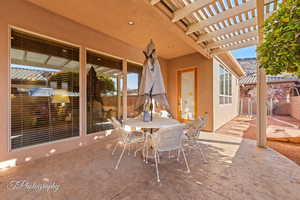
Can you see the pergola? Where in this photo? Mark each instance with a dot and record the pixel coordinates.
(218, 26)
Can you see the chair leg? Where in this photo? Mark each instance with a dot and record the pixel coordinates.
(129, 147)
(119, 160)
(202, 154)
(115, 148)
(137, 150)
(145, 146)
(185, 160)
(156, 165)
(147, 152)
(178, 154)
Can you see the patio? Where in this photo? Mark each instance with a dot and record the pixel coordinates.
(236, 169)
(285, 140)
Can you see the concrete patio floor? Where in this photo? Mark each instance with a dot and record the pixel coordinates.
(283, 126)
(236, 169)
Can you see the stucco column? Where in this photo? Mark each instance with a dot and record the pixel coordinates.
(82, 92)
(4, 88)
(261, 120)
(124, 63)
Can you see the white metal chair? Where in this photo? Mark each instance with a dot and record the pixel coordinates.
(193, 135)
(166, 140)
(126, 138)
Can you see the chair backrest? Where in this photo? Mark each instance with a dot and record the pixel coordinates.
(115, 123)
(167, 139)
(123, 134)
(196, 126)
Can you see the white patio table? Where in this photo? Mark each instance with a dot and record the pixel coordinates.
(156, 123)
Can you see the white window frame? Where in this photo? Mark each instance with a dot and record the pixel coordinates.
(225, 92)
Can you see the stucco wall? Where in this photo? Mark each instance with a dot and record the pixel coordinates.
(27, 16)
(224, 112)
(205, 84)
(295, 107)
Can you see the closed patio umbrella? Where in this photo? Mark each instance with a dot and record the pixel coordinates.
(152, 84)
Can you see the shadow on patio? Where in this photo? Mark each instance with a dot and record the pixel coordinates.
(236, 169)
(283, 133)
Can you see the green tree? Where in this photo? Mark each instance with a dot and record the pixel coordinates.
(280, 51)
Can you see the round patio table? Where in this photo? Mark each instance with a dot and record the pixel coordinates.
(156, 123)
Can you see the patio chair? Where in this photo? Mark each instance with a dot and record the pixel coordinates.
(166, 140)
(126, 138)
(192, 135)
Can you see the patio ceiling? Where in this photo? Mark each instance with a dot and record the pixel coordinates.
(112, 17)
(218, 25)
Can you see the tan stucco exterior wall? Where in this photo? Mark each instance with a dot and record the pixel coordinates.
(204, 84)
(27, 16)
(224, 112)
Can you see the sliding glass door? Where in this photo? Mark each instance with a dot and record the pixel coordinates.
(104, 91)
(44, 90)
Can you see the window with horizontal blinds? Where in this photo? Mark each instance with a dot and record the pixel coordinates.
(104, 91)
(44, 90)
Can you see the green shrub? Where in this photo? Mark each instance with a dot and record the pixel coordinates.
(280, 51)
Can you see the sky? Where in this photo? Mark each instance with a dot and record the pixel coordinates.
(248, 52)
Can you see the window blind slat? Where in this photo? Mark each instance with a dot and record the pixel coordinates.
(44, 93)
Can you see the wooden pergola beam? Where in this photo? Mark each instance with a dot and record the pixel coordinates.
(232, 12)
(189, 9)
(227, 30)
(153, 2)
(233, 39)
(233, 47)
(249, 5)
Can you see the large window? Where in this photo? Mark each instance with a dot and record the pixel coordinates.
(104, 91)
(225, 83)
(44, 90)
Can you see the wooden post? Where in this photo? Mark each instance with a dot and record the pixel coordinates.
(124, 64)
(261, 86)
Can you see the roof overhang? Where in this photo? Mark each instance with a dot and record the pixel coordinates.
(232, 63)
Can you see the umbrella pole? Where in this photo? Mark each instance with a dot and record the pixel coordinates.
(151, 107)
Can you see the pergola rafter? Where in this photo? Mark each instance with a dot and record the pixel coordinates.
(229, 13)
(232, 39)
(238, 45)
(214, 24)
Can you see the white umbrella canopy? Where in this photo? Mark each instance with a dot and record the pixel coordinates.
(152, 84)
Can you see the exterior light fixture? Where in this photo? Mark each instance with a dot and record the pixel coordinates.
(131, 22)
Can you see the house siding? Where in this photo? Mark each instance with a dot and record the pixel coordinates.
(24, 15)
(224, 112)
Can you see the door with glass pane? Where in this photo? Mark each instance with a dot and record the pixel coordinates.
(187, 94)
